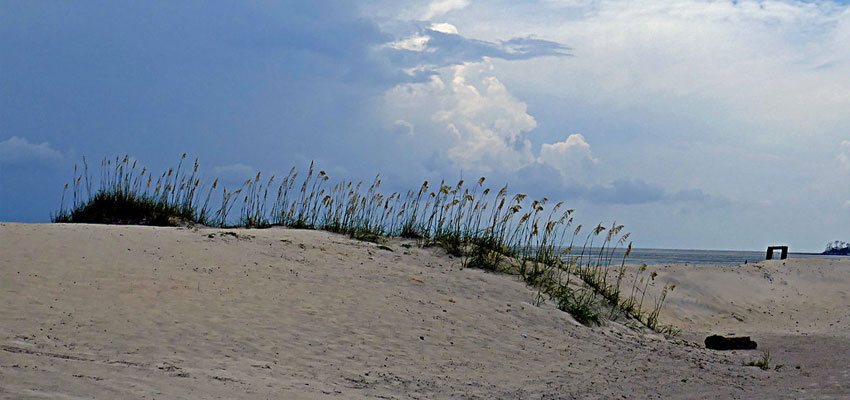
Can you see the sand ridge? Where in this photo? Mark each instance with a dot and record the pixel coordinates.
(794, 296)
(142, 312)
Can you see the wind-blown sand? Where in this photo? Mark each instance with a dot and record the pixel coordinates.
(139, 312)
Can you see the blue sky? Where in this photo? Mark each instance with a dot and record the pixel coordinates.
(697, 124)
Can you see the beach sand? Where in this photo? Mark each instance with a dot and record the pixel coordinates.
(107, 312)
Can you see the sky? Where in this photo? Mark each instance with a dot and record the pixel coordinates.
(696, 124)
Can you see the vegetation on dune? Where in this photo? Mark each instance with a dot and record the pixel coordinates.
(125, 197)
(764, 362)
(125, 209)
(503, 233)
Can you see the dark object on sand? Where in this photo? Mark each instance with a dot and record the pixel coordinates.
(771, 249)
(717, 342)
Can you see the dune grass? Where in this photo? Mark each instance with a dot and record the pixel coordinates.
(497, 232)
(764, 362)
(125, 196)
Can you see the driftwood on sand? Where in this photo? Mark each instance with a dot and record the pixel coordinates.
(717, 342)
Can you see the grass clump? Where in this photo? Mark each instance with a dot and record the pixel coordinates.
(493, 231)
(764, 362)
(126, 196)
(580, 305)
(126, 209)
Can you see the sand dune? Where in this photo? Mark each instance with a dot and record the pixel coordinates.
(794, 296)
(140, 312)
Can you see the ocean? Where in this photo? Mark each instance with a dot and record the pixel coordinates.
(698, 257)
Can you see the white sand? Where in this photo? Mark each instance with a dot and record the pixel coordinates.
(137, 312)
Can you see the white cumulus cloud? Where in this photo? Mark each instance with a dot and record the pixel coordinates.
(467, 115)
(413, 43)
(440, 7)
(444, 27)
(569, 156)
(19, 150)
